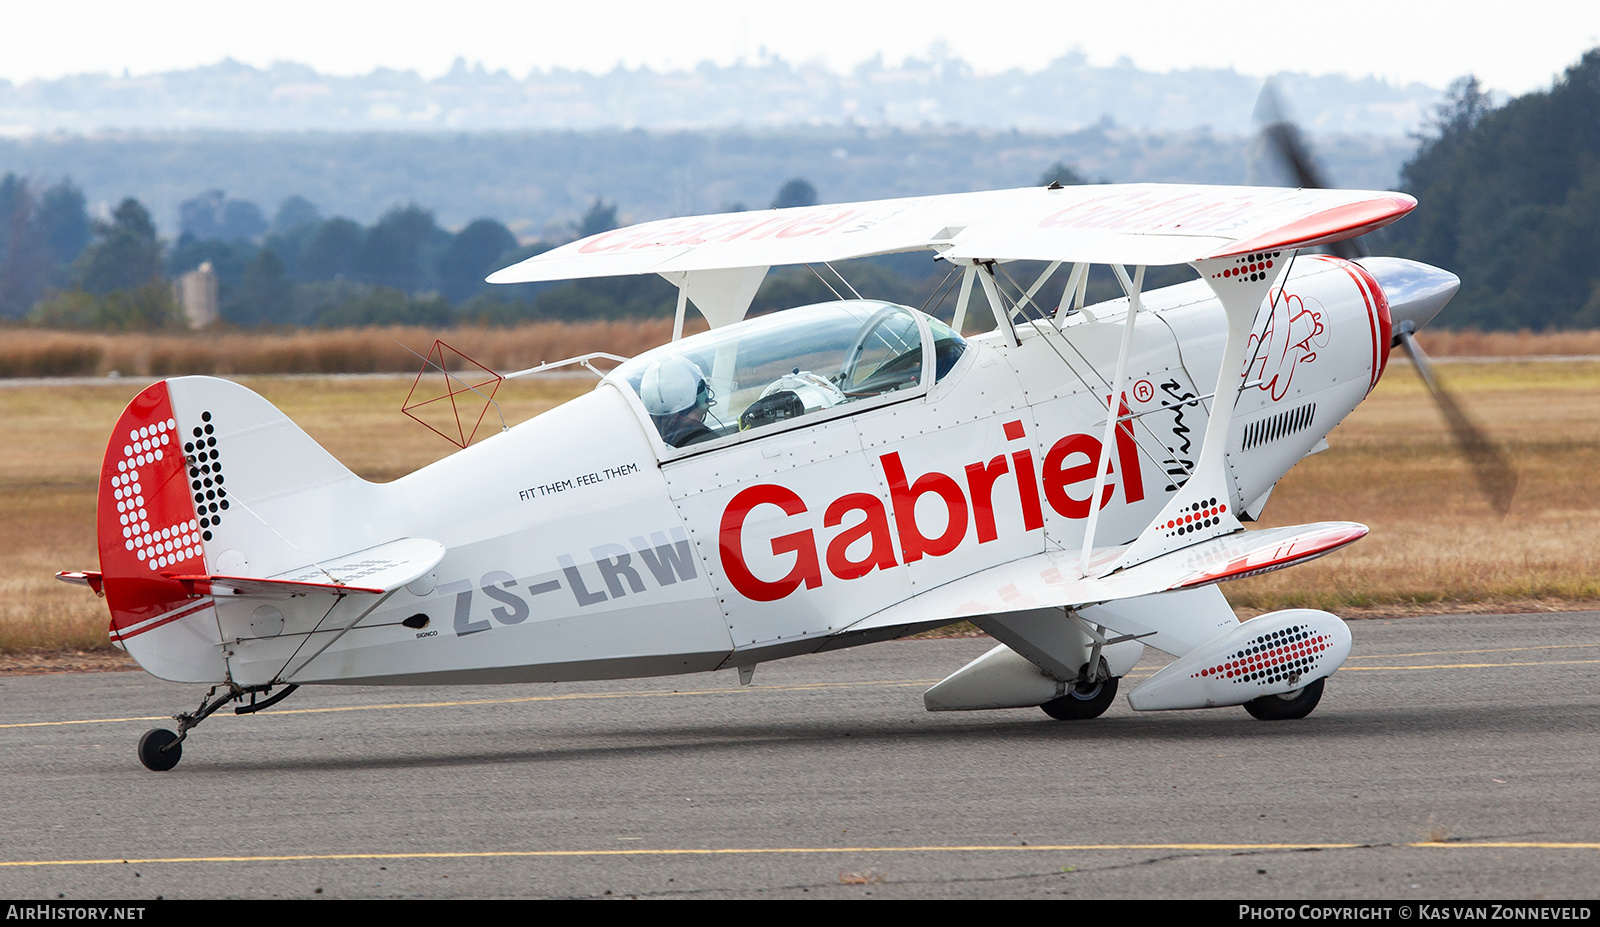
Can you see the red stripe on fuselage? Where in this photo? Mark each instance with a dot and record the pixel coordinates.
(117, 634)
(1378, 318)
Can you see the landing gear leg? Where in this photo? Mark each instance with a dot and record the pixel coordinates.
(160, 749)
(1088, 698)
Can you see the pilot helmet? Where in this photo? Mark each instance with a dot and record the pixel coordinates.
(672, 385)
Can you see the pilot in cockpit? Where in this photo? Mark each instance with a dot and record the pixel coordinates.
(677, 395)
(785, 367)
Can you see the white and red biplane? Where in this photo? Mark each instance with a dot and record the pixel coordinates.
(1074, 481)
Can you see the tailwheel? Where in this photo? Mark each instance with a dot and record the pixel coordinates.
(1290, 706)
(1083, 702)
(160, 749)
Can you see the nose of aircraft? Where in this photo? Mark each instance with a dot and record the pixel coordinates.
(1416, 291)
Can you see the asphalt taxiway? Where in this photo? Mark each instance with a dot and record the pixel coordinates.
(1452, 757)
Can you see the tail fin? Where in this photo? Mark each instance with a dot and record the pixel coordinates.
(203, 476)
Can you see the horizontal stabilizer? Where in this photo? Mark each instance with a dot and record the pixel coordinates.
(1052, 579)
(373, 571)
(90, 578)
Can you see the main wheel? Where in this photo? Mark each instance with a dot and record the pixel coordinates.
(1290, 706)
(159, 749)
(1082, 704)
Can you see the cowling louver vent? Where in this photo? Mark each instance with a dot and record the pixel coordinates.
(1275, 427)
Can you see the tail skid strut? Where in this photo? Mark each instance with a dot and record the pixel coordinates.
(160, 749)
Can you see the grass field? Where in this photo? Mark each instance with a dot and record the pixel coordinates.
(1434, 542)
(56, 435)
(1434, 539)
(32, 352)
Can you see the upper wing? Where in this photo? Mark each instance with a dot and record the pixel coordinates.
(1111, 224)
(1050, 580)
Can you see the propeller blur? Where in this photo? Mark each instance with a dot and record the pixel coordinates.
(1491, 465)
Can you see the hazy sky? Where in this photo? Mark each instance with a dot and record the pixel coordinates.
(1513, 47)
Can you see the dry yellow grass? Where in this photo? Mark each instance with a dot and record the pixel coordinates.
(55, 438)
(1468, 343)
(28, 352)
(1391, 466)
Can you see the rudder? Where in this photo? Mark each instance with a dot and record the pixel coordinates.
(204, 476)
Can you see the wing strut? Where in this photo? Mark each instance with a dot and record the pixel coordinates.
(1077, 281)
(997, 305)
(1025, 303)
(677, 316)
(1204, 506)
(723, 295)
(1133, 288)
(1073, 292)
(965, 297)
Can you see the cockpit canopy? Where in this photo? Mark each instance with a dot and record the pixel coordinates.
(786, 365)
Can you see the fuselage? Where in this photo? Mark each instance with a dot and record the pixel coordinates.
(580, 545)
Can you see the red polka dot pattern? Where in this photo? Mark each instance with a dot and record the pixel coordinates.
(1279, 656)
(1249, 268)
(1199, 516)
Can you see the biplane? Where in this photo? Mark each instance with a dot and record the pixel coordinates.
(1076, 480)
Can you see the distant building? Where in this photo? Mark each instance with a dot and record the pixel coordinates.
(197, 294)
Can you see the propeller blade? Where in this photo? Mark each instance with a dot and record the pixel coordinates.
(1283, 138)
(1491, 465)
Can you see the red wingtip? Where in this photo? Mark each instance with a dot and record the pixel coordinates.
(1329, 225)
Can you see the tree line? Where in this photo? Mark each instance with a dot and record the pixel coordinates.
(60, 269)
(1509, 193)
(41, 233)
(1509, 199)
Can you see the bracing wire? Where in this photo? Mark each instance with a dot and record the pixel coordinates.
(940, 291)
(1104, 383)
(825, 283)
(841, 279)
